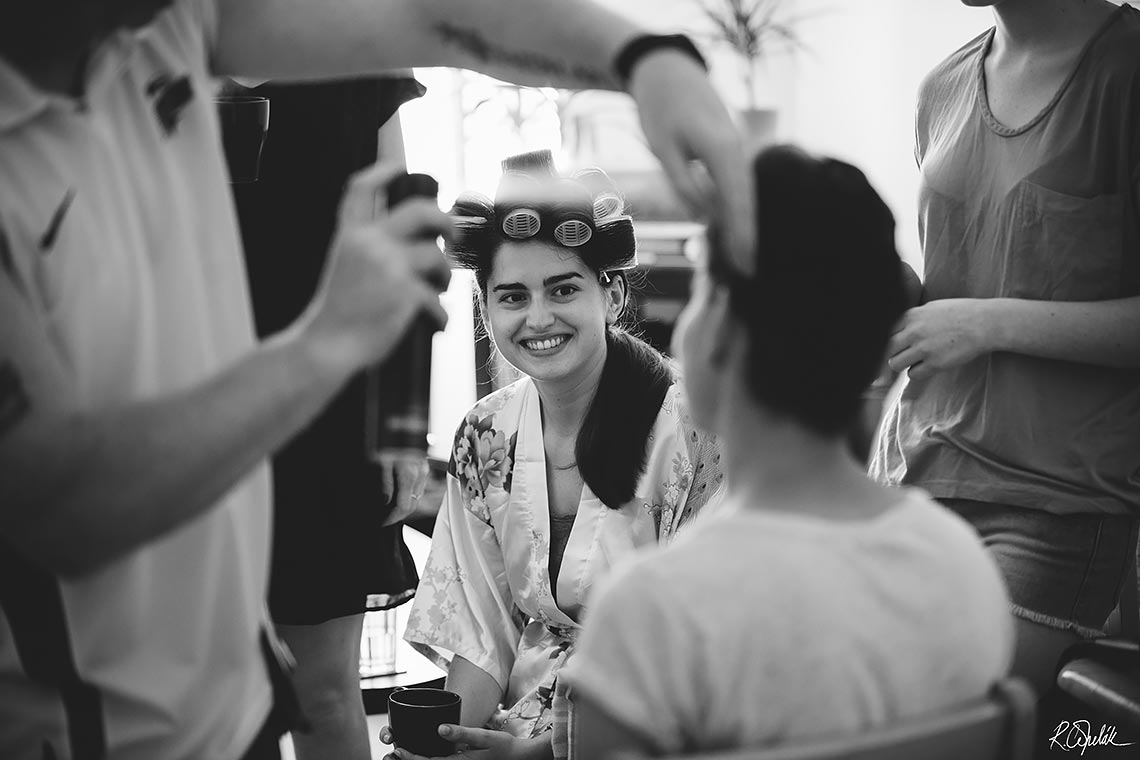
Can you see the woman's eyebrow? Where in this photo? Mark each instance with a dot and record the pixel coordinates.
(560, 278)
(553, 280)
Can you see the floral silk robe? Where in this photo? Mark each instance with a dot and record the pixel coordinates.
(485, 592)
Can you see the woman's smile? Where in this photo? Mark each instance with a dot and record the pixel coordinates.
(544, 346)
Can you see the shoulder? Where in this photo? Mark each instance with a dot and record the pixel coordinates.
(964, 58)
(1125, 30)
(675, 408)
(954, 572)
(678, 421)
(493, 418)
(1115, 56)
(949, 76)
(503, 400)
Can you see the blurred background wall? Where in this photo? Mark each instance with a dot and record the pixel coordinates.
(845, 86)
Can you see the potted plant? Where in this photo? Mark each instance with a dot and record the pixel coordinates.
(751, 29)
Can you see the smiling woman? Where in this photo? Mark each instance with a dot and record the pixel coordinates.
(548, 313)
(557, 477)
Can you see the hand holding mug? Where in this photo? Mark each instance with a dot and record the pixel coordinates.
(415, 717)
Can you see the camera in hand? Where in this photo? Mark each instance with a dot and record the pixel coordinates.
(399, 390)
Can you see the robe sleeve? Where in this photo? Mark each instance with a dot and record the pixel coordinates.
(703, 488)
(464, 603)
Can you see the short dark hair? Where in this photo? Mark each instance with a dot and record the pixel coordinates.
(826, 291)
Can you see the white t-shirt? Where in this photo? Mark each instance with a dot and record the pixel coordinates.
(757, 628)
(121, 249)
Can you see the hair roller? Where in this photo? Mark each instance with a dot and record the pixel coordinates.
(521, 223)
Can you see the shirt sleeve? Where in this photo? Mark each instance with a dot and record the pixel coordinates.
(463, 602)
(634, 661)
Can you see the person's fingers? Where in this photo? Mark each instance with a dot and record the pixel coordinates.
(403, 754)
(365, 193)
(404, 492)
(430, 266)
(387, 480)
(385, 735)
(419, 218)
(429, 305)
(904, 359)
(685, 179)
(410, 483)
(921, 370)
(900, 340)
(474, 738)
(421, 478)
(734, 199)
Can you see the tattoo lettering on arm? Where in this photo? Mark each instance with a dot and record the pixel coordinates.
(14, 401)
(478, 46)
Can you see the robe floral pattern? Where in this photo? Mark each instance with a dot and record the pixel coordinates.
(485, 593)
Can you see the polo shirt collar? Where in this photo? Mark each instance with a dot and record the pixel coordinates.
(21, 101)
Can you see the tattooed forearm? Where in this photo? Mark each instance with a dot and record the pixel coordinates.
(14, 401)
(478, 46)
(6, 261)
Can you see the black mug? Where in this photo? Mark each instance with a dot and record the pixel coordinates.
(415, 715)
(244, 120)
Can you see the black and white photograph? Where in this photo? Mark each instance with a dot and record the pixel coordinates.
(569, 379)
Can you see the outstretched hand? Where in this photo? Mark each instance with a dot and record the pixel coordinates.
(685, 122)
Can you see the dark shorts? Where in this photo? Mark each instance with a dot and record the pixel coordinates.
(330, 550)
(1062, 571)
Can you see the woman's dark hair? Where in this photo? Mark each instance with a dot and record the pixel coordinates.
(611, 447)
(530, 182)
(827, 289)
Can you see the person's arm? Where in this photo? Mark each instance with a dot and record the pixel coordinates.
(560, 43)
(571, 43)
(465, 604)
(481, 696)
(481, 693)
(81, 486)
(947, 333)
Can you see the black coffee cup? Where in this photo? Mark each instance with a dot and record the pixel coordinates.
(415, 715)
(244, 121)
